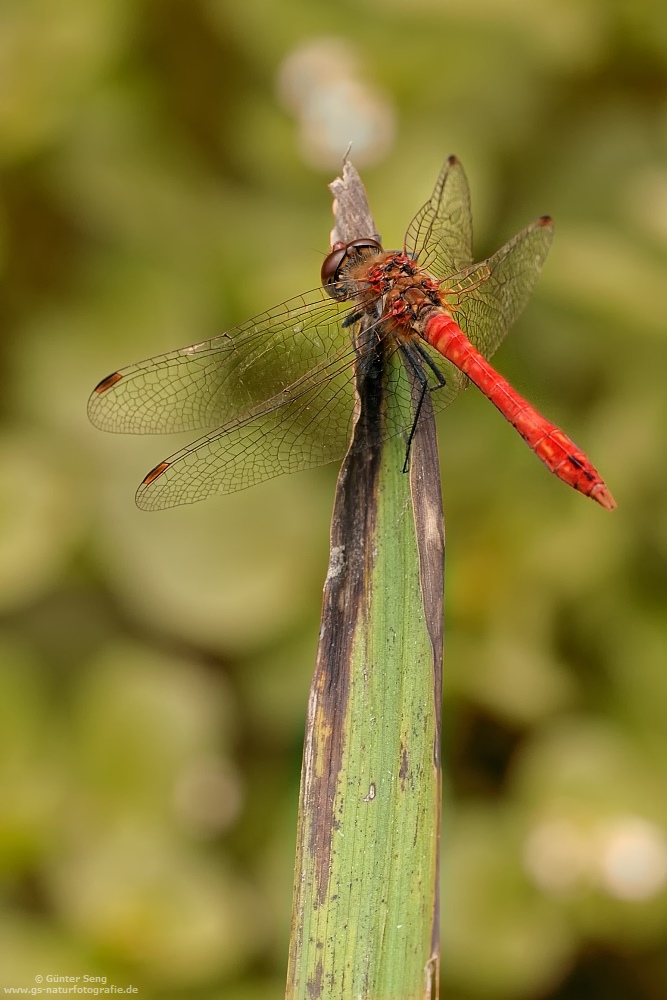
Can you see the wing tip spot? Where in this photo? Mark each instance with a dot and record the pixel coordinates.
(154, 473)
(546, 221)
(107, 382)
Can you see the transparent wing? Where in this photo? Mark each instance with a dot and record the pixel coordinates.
(211, 383)
(299, 428)
(487, 298)
(440, 235)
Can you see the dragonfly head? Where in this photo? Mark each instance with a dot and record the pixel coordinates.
(343, 254)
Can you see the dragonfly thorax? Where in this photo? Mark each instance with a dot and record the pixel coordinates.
(409, 293)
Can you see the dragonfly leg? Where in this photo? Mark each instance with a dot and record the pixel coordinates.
(415, 355)
(424, 355)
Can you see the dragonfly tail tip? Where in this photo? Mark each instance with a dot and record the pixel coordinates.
(601, 494)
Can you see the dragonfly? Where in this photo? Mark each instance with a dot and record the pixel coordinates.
(276, 394)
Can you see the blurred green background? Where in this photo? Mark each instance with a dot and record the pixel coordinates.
(163, 170)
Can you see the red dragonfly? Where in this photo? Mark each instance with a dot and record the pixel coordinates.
(277, 392)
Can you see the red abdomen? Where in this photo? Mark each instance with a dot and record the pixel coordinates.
(560, 454)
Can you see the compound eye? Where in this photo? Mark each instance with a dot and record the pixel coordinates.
(365, 244)
(331, 267)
